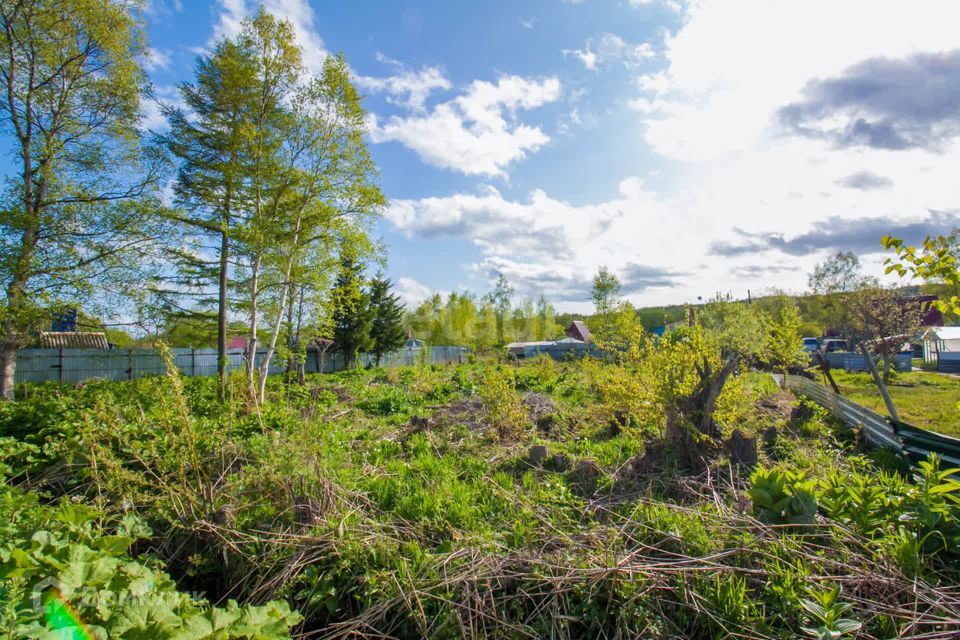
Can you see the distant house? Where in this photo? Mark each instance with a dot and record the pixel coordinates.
(74, 340)
(578, 331)
(237, 342)
(413, 343)
(941, 348)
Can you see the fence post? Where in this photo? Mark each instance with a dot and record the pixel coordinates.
(60, 374)
(193, 362)
(130, 364)
(880, 385)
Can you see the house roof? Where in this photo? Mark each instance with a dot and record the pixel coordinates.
(74, 340)
(578, 330)
(944, 333)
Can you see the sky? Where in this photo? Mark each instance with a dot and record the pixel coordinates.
(693, 148)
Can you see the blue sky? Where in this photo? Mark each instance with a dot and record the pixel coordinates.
(693, 148)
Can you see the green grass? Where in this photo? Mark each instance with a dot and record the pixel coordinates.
(923, 398)
(390, 502)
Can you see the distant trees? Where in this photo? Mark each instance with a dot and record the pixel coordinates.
(834, 280)
(483, 323)
(82, 199)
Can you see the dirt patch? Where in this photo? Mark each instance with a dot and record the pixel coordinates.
(542, 411)
(778, 405)
(467, 412)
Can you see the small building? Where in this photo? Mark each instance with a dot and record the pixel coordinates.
(578, 331)
(74, 340)
(941, 348)
(556, 349)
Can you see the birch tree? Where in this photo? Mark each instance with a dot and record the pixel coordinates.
(81, 198)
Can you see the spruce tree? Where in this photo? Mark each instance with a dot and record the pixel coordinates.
(387, 324)
(352, 317)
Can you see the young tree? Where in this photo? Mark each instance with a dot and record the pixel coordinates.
(886, 321)
(606, 297)
(386, 331)
(500, 299)
(546, 321)
(352, 318)
(783, 348)
(327, 185)
(81, 200)
(207, 144)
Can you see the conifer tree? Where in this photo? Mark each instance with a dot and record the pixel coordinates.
(386, 331)
(352, 320)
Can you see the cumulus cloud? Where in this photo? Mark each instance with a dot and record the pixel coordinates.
(547, 245)
(411, 292)
(860, 235)
(609, 47)
(157, 59)
(408, 88)
(865, 181)
(884, 103)
(478, 132)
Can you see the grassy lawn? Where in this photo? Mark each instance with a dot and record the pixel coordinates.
(923, 398)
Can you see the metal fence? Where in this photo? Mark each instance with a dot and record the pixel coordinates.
(76, 365)
(853, 362)
(911, 442)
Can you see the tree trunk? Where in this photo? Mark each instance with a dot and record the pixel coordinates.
(887, 361)
(222, 312)
(691, 427)
(8, 367)
(252, 338)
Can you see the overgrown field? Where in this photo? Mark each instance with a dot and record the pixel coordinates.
(923, 398)
(476, 501)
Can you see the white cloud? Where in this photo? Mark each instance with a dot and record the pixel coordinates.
(411, 292)
(717, 111)
(407, 87)
(151, 116)
(157, 59)
(478, 132)
(548, 245)
(527, 23)
(609, 47)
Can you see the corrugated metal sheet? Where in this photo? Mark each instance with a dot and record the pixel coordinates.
(912, 442)
(74, 340)
(76, 365)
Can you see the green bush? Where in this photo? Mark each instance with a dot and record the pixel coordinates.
(68, 574)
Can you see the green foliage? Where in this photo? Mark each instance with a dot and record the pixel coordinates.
(347, 495)
(934, 261)
(505, 414)
(827, 614)
(68, 574)
(352, 317)
(783, 497)
(386, 329)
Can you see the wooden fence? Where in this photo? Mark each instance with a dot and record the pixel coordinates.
(76, 365)
(913, 443)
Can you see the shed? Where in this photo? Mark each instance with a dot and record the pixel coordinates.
(941, 345)
(74, 340)
(578, 331)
